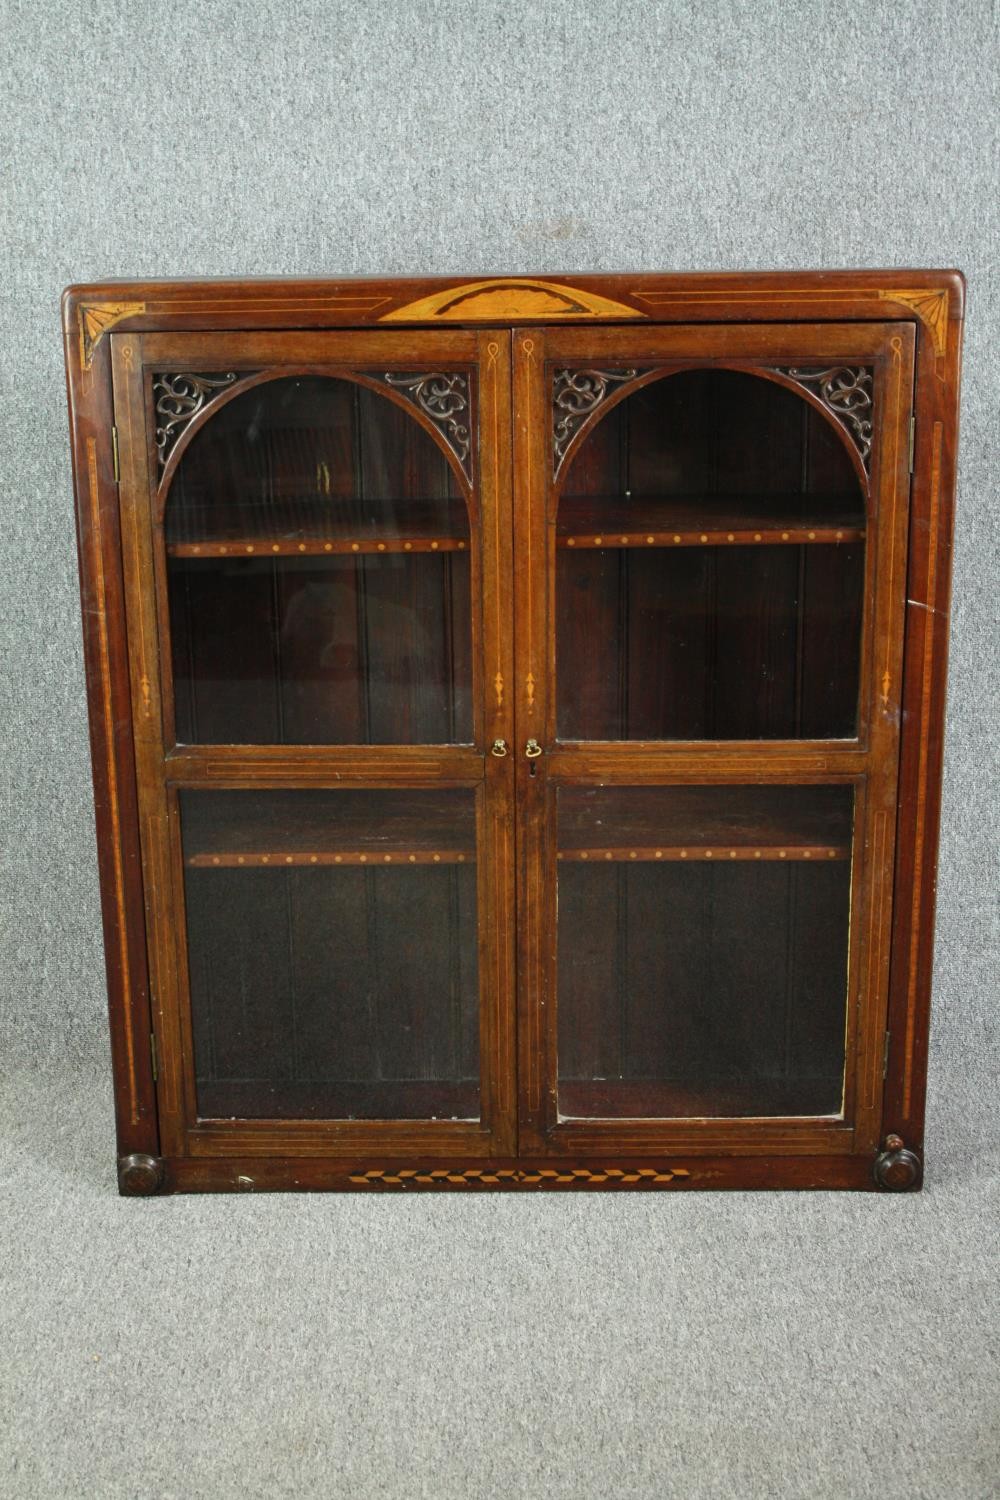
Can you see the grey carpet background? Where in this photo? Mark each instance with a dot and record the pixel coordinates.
(800, 1346)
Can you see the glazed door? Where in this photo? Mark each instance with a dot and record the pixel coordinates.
(316, 536)
(712, 523)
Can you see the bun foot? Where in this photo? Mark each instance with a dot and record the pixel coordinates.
(139, 1175)
(897, 1169)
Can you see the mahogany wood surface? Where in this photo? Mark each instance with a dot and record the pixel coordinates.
(851, 518)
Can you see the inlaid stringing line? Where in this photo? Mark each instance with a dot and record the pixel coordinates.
(925, 698)
(492, 350)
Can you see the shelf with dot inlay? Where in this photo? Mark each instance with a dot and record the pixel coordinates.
(315, 527)
(277, 829)
(635, 520)
(696, 823)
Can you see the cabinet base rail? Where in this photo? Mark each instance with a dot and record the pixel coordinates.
(147, 1175)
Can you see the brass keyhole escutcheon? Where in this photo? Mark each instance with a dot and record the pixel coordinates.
(498, 748)
(532, 749)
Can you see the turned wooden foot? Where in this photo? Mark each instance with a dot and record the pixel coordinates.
(139, 1175)
(897, 1169)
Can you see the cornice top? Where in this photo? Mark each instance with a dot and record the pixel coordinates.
(936, 298)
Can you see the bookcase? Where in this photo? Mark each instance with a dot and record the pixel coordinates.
(516, 712)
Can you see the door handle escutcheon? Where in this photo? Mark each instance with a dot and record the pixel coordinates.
(532, 749)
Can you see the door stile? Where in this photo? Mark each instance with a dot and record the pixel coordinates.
(535, 815)
(891, 505)
(154, 808)
(163, 770)
(495, 814)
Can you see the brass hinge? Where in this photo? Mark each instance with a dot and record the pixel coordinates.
(913, 433)
(114, 453)
(885, 1055)
(152, 1055)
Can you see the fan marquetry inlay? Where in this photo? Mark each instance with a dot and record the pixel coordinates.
(484, 301)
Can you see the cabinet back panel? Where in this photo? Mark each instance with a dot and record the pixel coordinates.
(367, 642)
(721, 990)
(712, 639)
(704, 643)
(335, 987)
(374, 650)
(696, 982)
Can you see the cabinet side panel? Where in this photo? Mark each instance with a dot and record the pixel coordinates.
(112, 753)
(938, 372)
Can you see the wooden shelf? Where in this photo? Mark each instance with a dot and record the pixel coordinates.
(720, 853)
(281, 829)
(396, 1099)
(615, 1098)
(242, 547)
(723, 824)
(615, 521)
(281, 859)
(314, 527)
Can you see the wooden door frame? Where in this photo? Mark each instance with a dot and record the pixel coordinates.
(870, 761)
(165, 768)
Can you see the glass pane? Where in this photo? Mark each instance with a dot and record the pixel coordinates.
(702, 950)
(318, 563)
(333, 953)
(710, 561)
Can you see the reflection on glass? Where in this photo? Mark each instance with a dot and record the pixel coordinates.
(702, 950)
(333, 953)
(710, 556)
(318, 564)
